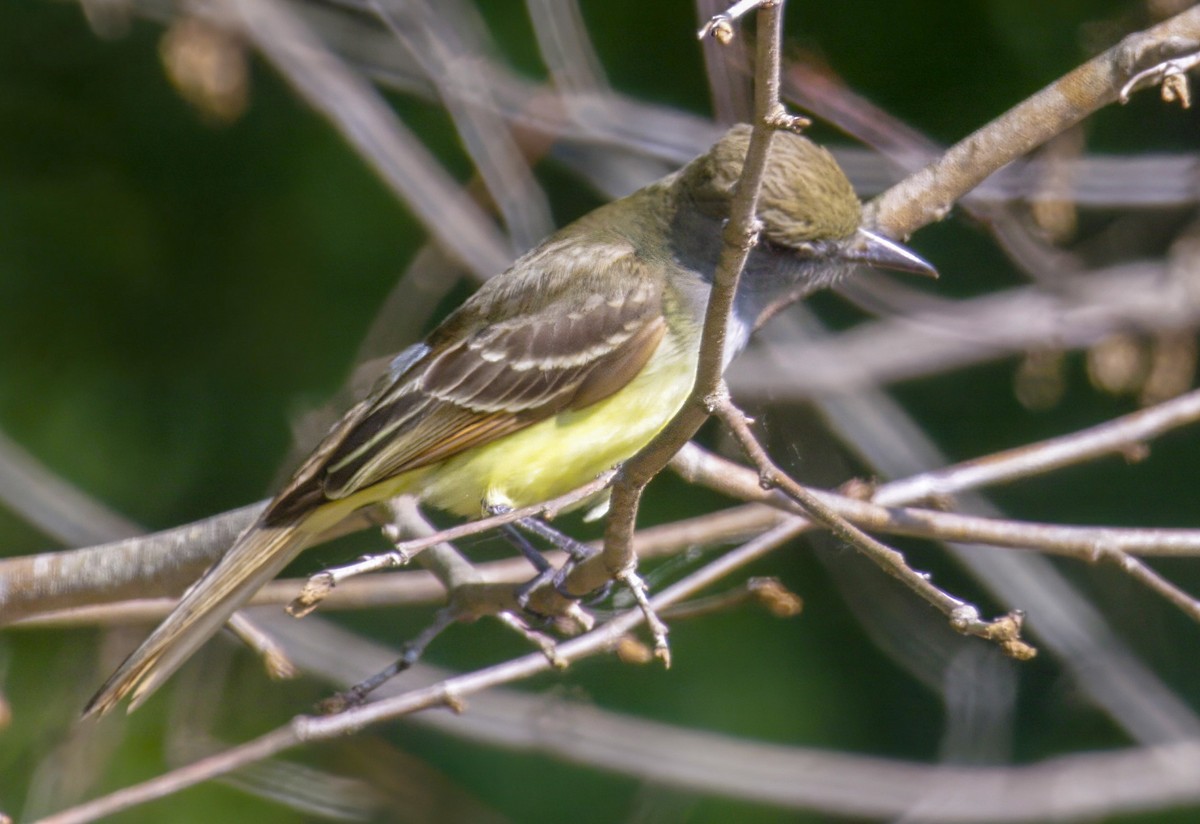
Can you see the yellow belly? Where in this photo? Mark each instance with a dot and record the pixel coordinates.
(556, 455)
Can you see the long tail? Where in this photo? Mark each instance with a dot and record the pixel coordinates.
(254, 559)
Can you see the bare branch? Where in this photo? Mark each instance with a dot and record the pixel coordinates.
(963, 616)
(927, 196)
(449, 692)
(739, 235)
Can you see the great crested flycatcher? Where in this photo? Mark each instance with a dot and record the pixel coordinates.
(556, 370)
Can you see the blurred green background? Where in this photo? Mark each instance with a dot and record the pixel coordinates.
(174, 293)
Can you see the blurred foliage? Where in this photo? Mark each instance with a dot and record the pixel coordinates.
(173, 293)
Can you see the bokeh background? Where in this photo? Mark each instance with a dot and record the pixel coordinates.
(176, 290)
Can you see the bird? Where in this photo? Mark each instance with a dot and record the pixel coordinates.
(551, 373)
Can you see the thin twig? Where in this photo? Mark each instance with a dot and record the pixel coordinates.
(1141, 572)
(1123, 436)
(1085, 543)
(720, 26)
(770, 592)
(963, 616)
(548, 509)
(275, 660)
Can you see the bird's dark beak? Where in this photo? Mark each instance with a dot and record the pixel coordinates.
(878, 251)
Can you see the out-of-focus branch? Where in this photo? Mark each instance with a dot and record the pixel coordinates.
(566, 48)
(945, 335)
(793, 777)
(449, 44)
(586, 117)
(727, 67)
(358, 111)
(51, 504)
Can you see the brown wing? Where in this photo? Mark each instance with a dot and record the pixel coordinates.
(508, 359)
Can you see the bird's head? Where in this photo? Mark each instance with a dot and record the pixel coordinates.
(807, 207)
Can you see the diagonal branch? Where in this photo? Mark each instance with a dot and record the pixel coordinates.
(928, 195)
(739, 238)
(963, 616)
